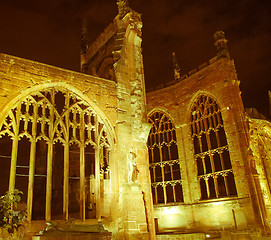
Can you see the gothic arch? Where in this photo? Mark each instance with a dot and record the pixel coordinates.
(195, 96)
(60, 85)
(57, 137)
(164, 110)
(164, 159)
(211, 151)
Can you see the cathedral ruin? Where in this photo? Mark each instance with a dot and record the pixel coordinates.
(181, 160)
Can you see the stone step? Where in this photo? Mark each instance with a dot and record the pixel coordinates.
(74, 236)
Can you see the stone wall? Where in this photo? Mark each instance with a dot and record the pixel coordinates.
(121, 104)
(19, 77)
(219, 81)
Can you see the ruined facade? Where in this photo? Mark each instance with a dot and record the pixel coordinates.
(222, 158)
(93, 146)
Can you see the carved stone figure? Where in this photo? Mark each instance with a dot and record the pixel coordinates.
(132, 167)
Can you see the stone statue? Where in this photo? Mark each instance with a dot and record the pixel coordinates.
(132, 167)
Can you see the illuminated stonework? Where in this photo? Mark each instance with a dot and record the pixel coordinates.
(164, 160)
(66, 138)
(94, 146)
(57, 140)
(215, 174)
(223, 155)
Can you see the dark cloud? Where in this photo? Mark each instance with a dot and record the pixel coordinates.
(49, 32)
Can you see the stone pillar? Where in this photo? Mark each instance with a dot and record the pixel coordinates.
(133, 210)
(145, 181)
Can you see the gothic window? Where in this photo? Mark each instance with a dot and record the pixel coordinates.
(164, 160)
(215, 175)
(56, 149)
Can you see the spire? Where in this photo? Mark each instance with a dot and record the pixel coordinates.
(177, 70)
(123, 7)
(84, 41)
(221, 44)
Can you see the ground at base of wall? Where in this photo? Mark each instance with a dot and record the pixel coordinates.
(217, 235)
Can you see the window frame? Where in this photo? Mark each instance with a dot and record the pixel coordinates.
(211, 150)
(165, 161)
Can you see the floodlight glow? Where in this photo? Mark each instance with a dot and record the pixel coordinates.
(171, 210)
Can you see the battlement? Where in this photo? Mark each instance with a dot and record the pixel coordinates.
(222, 52)
(184, 76)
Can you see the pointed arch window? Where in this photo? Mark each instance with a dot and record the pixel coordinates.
(164, 160)
(57, 148)
(211, 151)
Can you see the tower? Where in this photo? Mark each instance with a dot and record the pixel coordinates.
(116, 56)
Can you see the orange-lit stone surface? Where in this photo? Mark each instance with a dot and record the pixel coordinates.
(90, 148)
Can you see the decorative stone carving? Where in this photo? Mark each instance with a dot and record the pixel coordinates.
(123, 7)
(177, 70)
(221, 44)
(132, 167)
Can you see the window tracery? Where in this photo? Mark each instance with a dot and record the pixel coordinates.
(215, 174)
(57, 145)
(164, 160)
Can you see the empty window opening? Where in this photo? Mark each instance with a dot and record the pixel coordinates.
(215, 175)
(164, 160)
(51, 145)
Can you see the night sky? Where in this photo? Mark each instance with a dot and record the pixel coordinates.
(49, 32)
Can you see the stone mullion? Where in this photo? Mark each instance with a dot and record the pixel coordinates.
(193, 128)
(161, 157)
(226, 185)
(208, 119)
(154, 175)
(162, 167)
(153, 169)
(32, 164)
(97, 171)
(213, 165)
(173, 187)
(219, 118)
(200, 143)
(49, 180)
(66, 162)
(14, 152)
(225, 177)
(197, 126)
(170, 165)
(155, 192)
(50, 162)
(171, 171)
(215, 120)
(66, 181)
(217, 138)
(221, 156)
(209, 148)
(207, 187)
(82, 169)
(219, 145)
(206, 181)
(212, 162)
(203, 164)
